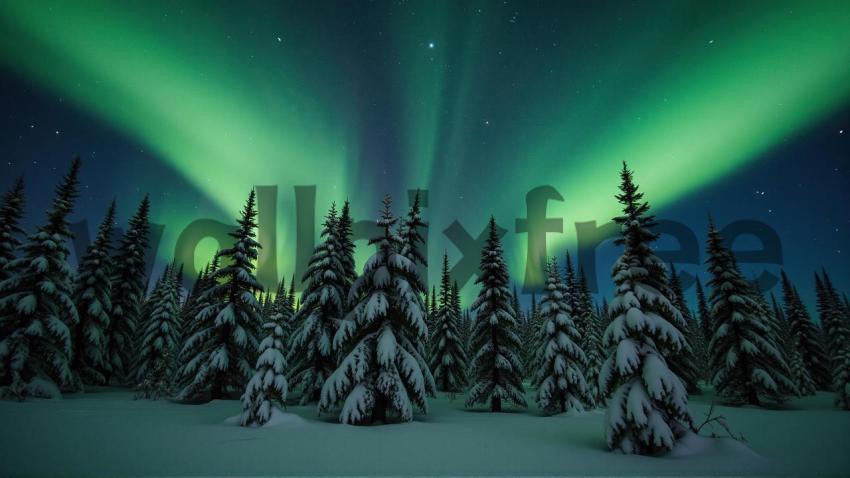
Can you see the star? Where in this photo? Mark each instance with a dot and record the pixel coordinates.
(841, 131)
(279, 40)
(431, 45)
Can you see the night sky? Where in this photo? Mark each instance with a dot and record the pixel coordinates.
(740, 111)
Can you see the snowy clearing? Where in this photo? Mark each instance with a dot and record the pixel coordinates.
(107, 433)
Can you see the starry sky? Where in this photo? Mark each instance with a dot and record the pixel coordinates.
(737, 109)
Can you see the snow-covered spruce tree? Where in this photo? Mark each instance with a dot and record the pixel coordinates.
(129, 287)
(591, 340)
(683, 363)
(465, 331)
(312, 355)
(447, 355)
(430, 315)
(746, 360)
(158, 343)
(561, 386)
(282, 312)
(191, 306)
(382, 374)
(703, 314)
(804, 335)
(458, 311)
(535, 334)
(496, 364)
(93, 298)
(11, 212)
(267, 387)
(647, 402)
(222, 352)
(528, 338)
(836, 323)
(412, 243)
(36, 308)
(797, 369)
(346, 245)
(571, 287)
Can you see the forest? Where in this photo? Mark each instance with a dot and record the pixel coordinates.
(375, 346)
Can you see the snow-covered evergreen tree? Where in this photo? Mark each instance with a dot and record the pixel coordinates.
(836, 323)
(382, 373)
(155, 364)
(129, 287)
(268, 386)
(346, 245)
(312, 355)
(683, 363)
(465, 331)
(36, 307)
(591, 339)
(703, 314)
(496, 364)
(805, 335)
(222, 352)
(561, 386)
(570, 283)
(11, 212)
(647, 402)
(282, 312)
(93, 299)
(412, 243)
(745, 356)
(448, 357)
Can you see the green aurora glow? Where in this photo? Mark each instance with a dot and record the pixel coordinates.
(686, 93)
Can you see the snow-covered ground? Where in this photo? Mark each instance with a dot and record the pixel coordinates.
(107, 433)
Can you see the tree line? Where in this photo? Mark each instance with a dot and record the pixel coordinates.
(373, 347)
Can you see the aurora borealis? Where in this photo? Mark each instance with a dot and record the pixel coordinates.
(477, 102)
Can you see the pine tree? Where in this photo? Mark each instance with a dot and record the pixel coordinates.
(561, 386)
(571, 287)
(683, 363)
(410, 234)
(535, 332)
(158, 344)
(346, 245)
(312, 356)
(648, 404)
(448, 357)
(703, 314)
(835, 319)
(745, 357)
(129, 287)
(805, 335)
(465, 331)
(93, 299)
(528, 337)
(799, 374)
(222, 351)
(496, 364)
(591, 339)
(36, 308)
(382, 373)
(11, 212)
(267, 387)
(282, 313)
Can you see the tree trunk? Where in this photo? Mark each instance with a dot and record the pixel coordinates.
(496, 404)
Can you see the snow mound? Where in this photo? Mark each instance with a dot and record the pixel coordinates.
(279, 417)
(697, 445)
